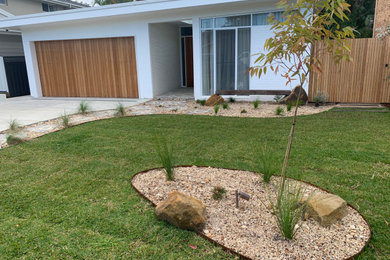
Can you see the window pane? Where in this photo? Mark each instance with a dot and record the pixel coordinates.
(207, 23)
(243, 20)
(243, 59)
(207, 62)
(278, 16)
(186, 31)
(225, 56)
(260, 19)
(3, 2)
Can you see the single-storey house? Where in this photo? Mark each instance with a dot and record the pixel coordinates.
(143, 49)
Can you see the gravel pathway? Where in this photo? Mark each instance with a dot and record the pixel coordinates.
(251, 230)
(188, 107)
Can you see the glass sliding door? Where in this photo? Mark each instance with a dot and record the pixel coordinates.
(225, 53)
(207, 62)
(243, 59)
(225, 59)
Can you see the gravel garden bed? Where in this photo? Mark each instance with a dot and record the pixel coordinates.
(251, 230)
(188, 107)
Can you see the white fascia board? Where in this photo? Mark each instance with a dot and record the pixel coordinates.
(136, 7)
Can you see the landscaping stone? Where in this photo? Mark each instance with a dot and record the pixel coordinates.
(214, 100)
(182, 211)
(294, 96)
(327, 209)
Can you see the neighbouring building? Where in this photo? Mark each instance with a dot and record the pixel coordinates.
(13, 74)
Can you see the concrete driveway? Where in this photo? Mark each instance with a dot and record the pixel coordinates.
(27, 110)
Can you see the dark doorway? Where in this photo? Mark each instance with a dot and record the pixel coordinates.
(187, 60)
(17, 80)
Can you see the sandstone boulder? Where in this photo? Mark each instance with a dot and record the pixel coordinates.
(214, 100)
(182, 211)
(294, 96)
(327, 209)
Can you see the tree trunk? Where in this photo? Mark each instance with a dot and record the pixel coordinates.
(289, 145)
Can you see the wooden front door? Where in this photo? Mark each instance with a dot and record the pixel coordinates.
(189, 62)
(104, 68)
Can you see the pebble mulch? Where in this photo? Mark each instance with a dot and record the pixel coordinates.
(251, 230)
(189, 107)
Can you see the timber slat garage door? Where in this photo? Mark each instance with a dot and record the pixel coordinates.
(88, 68)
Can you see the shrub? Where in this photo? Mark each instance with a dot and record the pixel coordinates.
(120, 110)
(65, 120)
(256, 104)
(288, 107)
(232, 100)
(202, 102)
(218, 192)
(165, 155)
(14, 140)
(243, 111)
(225, 105)
(216, 109)
(279, 111)
(266, 166)
(14, 125)
(83, 107)
(277, 98)
(320, 98)
(288, 209)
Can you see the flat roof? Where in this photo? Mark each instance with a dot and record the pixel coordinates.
(135, 7)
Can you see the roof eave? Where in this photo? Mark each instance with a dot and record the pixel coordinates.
(137, 7)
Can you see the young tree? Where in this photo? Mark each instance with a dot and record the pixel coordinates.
(289, 54)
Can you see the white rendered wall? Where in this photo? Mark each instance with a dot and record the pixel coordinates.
(165, 57)
(3, 76)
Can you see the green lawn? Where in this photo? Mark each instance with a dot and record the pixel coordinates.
(68, 194)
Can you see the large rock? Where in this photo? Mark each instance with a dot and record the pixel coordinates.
(294, 96)
(182, 211)
(327, 209)
(214, 100)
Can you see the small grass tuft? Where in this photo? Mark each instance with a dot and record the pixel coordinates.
(14, 125)
(14, 140)
(120, 110)
(244, 111)
(266, 163)
(83, 107)
(288, 107)
(218, 193)
(232, 100)
(225, 105)
(65, 120)
(256, 104)
(202, 102)
(216, 109)
(288, 209)
(279, 111)
(165, 155)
